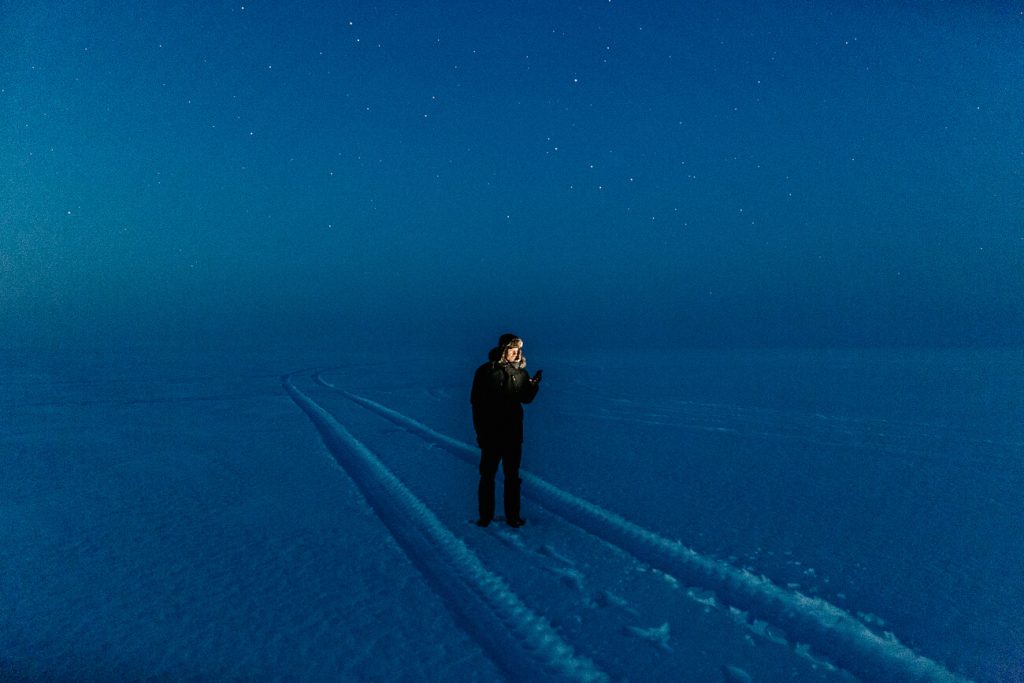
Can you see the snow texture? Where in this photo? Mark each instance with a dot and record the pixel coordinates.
(521, 642)
(830, 630)
(772, 517)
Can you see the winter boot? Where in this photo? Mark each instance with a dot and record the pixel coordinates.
(485, 501)
(512, 487)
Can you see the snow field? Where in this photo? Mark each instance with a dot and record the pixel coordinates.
(518, 640)
(607, 604)
(829, 630)
(842, 514)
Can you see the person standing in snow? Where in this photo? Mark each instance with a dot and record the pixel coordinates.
(500, 387)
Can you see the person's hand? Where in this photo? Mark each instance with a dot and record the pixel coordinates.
(536, 378)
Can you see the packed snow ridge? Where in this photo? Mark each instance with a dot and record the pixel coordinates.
(518, 640)
(829, 630)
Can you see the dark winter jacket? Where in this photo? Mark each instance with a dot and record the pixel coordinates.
(499, 390)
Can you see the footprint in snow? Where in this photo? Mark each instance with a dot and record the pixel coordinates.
(655, 635)
(608, 599)
(512, 539)
(732, 674)
(570, 577)
(703, 597)
(549, 551)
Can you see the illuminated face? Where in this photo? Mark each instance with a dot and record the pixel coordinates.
(513, 352)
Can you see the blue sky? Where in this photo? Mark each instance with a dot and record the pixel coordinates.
(657, 174)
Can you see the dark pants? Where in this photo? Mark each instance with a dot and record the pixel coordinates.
(509, 457)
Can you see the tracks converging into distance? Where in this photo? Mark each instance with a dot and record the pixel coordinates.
(525, 644)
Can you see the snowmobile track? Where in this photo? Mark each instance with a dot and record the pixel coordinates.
(829, 630)
(517, 640)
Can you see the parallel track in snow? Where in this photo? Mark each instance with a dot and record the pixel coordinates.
(831, 631)
(517, 640)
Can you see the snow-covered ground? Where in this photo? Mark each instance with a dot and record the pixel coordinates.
(704, 516)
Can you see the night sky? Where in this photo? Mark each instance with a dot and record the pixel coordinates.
(586, 174)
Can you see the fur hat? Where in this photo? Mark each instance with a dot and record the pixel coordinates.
(507, 341)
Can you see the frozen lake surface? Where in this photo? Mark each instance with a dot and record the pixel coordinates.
(706, 516)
